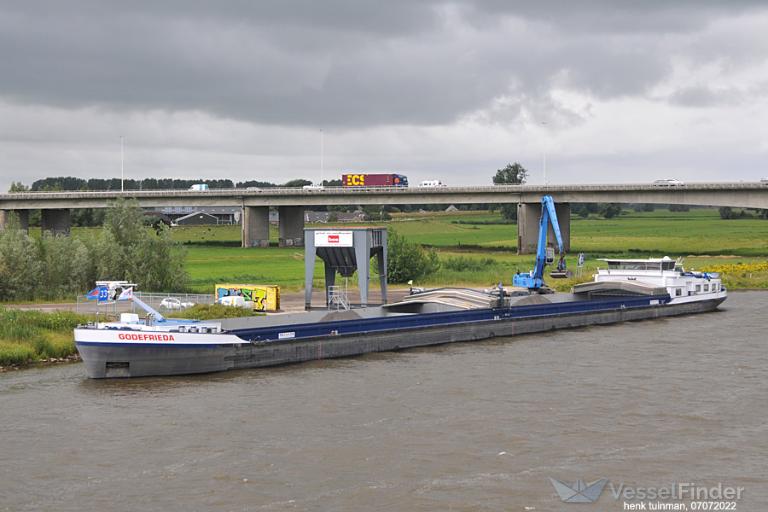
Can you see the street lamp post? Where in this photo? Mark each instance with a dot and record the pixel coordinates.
(544, 154)
(122, 164)
(322, 156)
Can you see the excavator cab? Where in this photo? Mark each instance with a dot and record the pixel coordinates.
(550, 258)
(561, 272)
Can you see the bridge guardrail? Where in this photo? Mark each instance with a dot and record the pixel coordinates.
(352, 191)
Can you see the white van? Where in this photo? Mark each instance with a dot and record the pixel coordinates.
(199, 187)
(432, 184)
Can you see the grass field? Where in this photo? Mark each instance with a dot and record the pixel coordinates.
(700, 235)
(209, 265)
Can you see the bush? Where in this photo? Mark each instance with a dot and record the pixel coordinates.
(610, 211)
(20, 267)
(408, 261)
(374, 213)
(464, 264)
(67, 266)
(211, 311)
(30, 335)
(15, 353)
(128, 251)
(509, 212)
(20, 325)
(483, 222)
(584, 209)
(52, 267)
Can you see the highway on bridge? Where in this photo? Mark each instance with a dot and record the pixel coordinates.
(743, 194)
(291, 203)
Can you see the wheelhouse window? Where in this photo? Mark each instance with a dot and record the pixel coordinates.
(678, 292)
(637, 265)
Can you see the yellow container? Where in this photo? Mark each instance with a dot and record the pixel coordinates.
(264, 297)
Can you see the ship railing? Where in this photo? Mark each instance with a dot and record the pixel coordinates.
(163, 302)
(338, 298)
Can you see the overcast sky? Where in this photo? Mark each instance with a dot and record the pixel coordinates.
(609, 91)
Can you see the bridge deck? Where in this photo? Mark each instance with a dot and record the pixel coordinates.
(752, 194)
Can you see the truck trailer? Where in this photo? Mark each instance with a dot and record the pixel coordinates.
(374, 180)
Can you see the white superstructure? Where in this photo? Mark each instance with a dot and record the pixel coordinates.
(664, 272)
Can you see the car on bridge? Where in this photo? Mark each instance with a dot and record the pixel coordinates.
(431, 184)
(668, 182)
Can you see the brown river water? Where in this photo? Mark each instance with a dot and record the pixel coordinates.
(469, 426)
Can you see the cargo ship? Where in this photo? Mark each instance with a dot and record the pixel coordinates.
(626, 290)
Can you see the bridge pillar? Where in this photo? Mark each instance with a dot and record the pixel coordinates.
(58, 221)
(255, 226)
(291, 226)
(528, 215)
(21, 215)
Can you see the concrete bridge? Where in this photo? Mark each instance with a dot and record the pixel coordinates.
(291, 202)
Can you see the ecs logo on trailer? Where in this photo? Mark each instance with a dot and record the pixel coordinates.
(355, 180)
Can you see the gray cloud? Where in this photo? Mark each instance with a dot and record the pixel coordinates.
(336, 63)
(705, 96)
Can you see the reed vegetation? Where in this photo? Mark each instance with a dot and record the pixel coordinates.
(28, 336)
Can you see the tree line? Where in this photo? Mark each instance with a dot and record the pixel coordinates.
(71, 183)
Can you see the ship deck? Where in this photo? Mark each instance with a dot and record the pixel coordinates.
(457, 304)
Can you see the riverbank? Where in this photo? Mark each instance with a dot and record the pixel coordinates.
(51, 361)
(34, 336)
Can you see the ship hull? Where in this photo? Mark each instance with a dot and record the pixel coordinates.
(227, 352)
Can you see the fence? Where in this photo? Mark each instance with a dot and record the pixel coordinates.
(163, 302)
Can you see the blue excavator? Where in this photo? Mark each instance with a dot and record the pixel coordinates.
(545, 255)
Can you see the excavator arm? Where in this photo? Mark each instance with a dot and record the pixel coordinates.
(534, 280)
